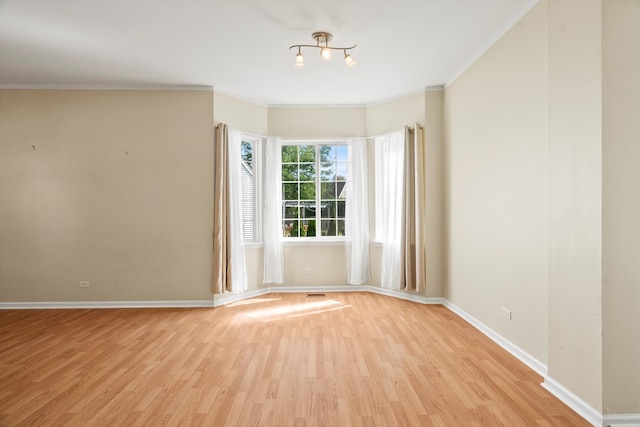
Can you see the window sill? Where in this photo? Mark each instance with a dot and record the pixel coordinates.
(302, 241)
(253, 245)
(309, 242)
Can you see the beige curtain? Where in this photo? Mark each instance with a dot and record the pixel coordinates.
(221, 268)
(414, 221)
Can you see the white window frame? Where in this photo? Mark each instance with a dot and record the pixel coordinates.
(256, 143)
(323, 240)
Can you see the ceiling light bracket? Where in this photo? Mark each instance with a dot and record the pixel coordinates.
(322, 39)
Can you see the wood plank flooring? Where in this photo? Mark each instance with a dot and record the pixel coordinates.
(346, 359)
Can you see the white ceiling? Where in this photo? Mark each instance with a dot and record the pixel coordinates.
(241, 47)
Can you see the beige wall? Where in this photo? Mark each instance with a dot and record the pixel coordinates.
(117, 191)
(254, 258)
(396, 113)
(621, 203)
(435, 202)
(575, 198)
(327, 262)
(146, 120)
(239, 114)
(496, 173)
(307, 122)
(541, 138)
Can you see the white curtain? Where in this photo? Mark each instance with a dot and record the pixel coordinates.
(400, 207)
(272, 213)
(389, 163)
(239, 278)
(357, 214)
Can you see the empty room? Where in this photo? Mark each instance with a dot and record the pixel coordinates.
(320, 213)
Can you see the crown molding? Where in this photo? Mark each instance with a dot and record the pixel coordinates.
(196, 88)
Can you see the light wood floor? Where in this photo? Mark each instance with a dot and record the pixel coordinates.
(347, 359)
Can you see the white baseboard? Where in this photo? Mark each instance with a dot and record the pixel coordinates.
(105, 304)
(566, 396)
(218, 300)
(516, 351)
(223, 299)
(622, 420)
(360, 288)
(311, 289)
(406, 296)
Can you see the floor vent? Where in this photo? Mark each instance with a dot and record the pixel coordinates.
(316, 295)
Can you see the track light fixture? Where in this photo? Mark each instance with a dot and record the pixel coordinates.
(322, 39)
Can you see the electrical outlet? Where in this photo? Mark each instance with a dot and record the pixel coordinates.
(311, 271)
(83, 284)
(506, 313)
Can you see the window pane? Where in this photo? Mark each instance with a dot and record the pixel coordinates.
(341, 191)
(307, 153)
(308, 209)
(291, 210)
(328, 209)
(327, 153)
(342, 171)
(289, 172)
(290, 191)
(328, 172)
(246, 151)
(328, 190)
(307, 172)
(342, 153)
(289, 153)
(341, 209)
(328, 227)
(290, 228)
(340, 228)
(308, 228)
(307, 191)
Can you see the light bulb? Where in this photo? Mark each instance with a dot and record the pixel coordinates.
(299, 60)
(325, 52)
(349, 60)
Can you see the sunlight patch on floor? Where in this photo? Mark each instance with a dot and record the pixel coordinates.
(297, 309)
(251, 301)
